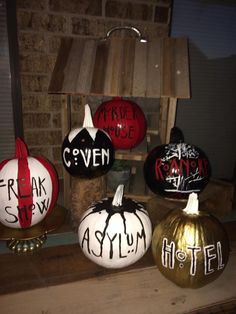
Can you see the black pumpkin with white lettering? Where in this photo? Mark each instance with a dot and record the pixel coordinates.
(190, 246)
(115, 233)
(87, 152)
(176, 169)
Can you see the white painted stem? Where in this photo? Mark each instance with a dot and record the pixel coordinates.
(88, 121)
(192, 205)
(118, 197)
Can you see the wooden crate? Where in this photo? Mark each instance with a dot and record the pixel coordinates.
(124, 67)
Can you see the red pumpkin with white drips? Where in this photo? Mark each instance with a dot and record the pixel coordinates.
(123, 120)
(28, 189)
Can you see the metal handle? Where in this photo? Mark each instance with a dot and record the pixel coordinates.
(131, 28)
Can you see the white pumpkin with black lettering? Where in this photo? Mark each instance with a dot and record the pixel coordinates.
(115, 233)
(28, 188)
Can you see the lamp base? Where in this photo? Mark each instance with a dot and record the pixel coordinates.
(30, 239)
(26, 246)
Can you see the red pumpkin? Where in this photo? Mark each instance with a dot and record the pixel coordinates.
(28, 189)
(123, 120)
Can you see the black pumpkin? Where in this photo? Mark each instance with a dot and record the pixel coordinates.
(177, 169)
(87, 152)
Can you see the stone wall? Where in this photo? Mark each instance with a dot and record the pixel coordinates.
(41, 25)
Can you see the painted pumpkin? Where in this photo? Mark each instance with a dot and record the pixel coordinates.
(29, 189)
(123, 120)
(190, 247)
(177, 169)
(115, 233)
(87, 152)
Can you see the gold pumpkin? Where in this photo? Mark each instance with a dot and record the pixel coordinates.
(190, 247)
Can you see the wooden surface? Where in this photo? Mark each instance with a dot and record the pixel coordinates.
(61, 280)
(83, 193)
(66, 125)
(122, 67)
(216, 199)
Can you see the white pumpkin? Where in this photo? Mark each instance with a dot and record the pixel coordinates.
(115, 233)
(29, 188)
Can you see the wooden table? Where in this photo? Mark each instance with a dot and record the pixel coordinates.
(61, 280)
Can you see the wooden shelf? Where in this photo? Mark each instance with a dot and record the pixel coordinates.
(61, 279)
(129, 155)
(136, 187)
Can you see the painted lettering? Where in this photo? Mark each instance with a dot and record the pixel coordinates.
(17, 188)
(86, 240)
(211, 252)
(168, 254)
(90, 157)
(120, 248)
(219, 255)
(67, 162)
(158, 171)
(208, 257)
(99, 237)
(193, 265)
(23, 213)
(43, 205)
(86, 156)
(14, 217)
(116, 243)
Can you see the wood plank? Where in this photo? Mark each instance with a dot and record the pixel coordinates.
(217, 197)
(72, 68)
(140, 69)
(140, 290)
(98, 77)
(172, 106)
(127, 67)
(57, 79)
(153, 141)
(168, 61)
(122, 67)
(83, 193)
(52, 266)
(154, 67)
(112, 70)
(65, 126)
(127, 155)
(84, 80)
(181, 72)
(138, 186)
(164, 105)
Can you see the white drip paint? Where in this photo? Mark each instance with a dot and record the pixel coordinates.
(87, 124)
(192, 205)
(118, 197)
(73, 133)
(88, 121)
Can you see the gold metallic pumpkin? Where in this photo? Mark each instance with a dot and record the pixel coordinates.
(190, 247)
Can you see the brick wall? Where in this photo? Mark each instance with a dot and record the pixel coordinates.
(41, 24)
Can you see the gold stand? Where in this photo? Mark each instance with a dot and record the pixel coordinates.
(31, 239)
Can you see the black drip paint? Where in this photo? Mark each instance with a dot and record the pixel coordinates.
(128, 205)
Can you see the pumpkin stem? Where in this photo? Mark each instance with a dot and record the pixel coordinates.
(176, 135)
(192, 205)
(21, 149)
(118, 197)
(88, 121)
